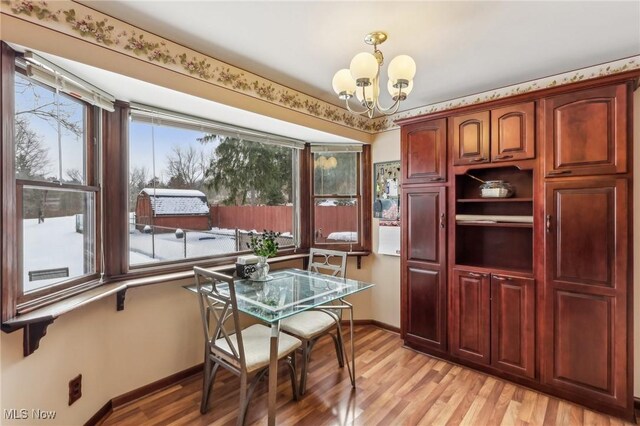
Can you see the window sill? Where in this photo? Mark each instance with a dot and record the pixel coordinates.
(35, 322)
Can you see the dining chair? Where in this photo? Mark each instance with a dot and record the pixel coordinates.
(245, 353)
(309, 326)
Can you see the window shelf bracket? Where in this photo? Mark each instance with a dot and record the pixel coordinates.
(120, 296)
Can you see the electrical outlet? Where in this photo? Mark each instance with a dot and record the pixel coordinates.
(75, 389)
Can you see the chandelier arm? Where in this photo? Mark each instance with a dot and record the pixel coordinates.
(366, 111)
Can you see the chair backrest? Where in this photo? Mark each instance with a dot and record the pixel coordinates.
(220, 316)
(331, 262)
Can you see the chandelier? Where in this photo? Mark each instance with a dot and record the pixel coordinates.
(363, 77)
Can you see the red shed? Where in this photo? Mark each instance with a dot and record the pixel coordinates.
(170, 209)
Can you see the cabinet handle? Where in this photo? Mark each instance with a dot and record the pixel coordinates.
(548, 223)
(501, 278)
(442, 220)
(559, 172)
(503, 157)
(477, 160)
(475, 275)
(438, 179)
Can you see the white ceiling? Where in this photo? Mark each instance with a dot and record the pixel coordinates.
(460, 48)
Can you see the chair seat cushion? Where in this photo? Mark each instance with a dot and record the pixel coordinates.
(256, 340)
(308, 324)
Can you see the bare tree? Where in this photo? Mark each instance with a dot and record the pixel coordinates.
(186, 167)
(138, 180)
(32, 157)
(74, 176)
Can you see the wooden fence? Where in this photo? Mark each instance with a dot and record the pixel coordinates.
(272, 218)
(280, 218)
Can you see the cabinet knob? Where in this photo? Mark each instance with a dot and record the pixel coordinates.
(502, 157)
(477, 159)
(476, 275)
(548, 223)
(442, 221)
(438, 179)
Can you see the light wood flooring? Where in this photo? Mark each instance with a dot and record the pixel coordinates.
(395, 386)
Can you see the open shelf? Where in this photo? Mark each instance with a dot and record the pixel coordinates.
(497, 224)
(502, 270)
(495, 200)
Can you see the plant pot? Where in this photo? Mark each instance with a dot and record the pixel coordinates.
(262, 269)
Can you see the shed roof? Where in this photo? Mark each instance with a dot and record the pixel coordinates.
(177, 201)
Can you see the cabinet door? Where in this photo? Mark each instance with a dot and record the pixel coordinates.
(586, 332)
(470, 136)
(426, 308)
(424, 284)
(424, 152)
(512, 132)
(512, 324)
(469, 320)
(424, 220)
(585, 133)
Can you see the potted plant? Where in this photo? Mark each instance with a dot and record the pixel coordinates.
(264, 246)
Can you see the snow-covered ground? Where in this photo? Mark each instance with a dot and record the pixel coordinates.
(51, 244)
(142, 247)
(56, 244)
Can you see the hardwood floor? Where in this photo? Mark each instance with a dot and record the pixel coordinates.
(395, 386)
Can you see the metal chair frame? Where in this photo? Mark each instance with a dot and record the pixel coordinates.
(334, 311)
(223, 309)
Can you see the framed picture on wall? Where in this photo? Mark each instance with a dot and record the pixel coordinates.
(386, 184)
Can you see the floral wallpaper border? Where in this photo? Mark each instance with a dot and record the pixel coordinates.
(627, 64)
(85, 23)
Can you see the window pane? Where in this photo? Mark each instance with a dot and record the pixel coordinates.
(208, 192)
(42, 116)
(335, 173)
(58, 232)
(336, 220)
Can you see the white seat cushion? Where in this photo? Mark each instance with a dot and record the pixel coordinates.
(256, 340)
(308, 324)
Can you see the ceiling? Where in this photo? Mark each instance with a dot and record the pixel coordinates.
(460, 48)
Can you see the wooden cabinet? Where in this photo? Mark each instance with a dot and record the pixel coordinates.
(538, 285)
(585, 132)
(424, 267)
(502, 134)
(425, 148)
(512, 132)
(586, 329)
(492, 320)
(513, 324)
(470, 316)
(470, 138)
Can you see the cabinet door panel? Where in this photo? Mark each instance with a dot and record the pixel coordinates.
(585, 133)
(470, 135)
(425, 222)
(512, 324)
(470, 334)
(424, 152)
(585, 322)
(426, 290)
(512, 133)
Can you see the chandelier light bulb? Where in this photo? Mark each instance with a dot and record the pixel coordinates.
(343, 84)
(402, 67)
(371, 93)
(364, 68)
(394, 91)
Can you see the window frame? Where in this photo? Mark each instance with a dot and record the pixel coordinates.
(363, 199)
(153, 268)
(14, 299)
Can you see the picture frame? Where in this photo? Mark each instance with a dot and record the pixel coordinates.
(386, 190)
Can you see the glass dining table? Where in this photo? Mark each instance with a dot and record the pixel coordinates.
(286, 293)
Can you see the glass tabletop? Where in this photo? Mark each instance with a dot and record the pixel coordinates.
(287, 292)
